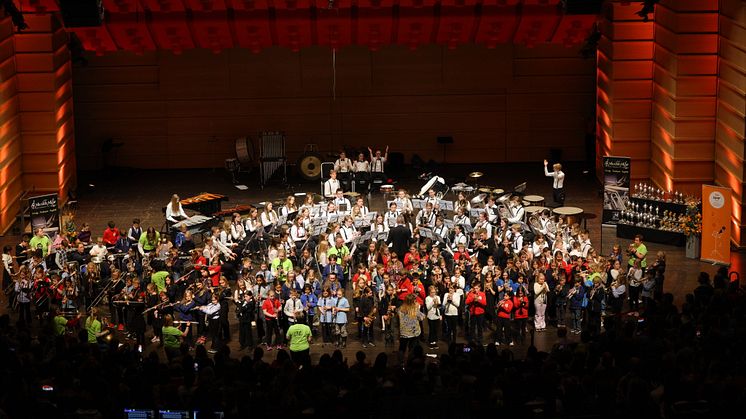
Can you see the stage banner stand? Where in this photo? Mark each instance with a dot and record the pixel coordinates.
(44, 212)
(716, 211)
(616, 188)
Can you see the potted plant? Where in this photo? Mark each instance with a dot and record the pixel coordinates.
(691, 225)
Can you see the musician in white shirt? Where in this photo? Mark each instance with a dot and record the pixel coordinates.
(331, 214)
(516, 238)
(440, 229)
(426, 217)
(360, 203)
(484, 223)
(403, 203)
(269, 217)
(238, 234)
(558, 182)
(343, 167)
(377, 164)
(289, 206)
(361, 169)
(98, 251)
(491, 209)
(459, 237)
(392, 215)
(432, 198)
(174, 210)
(379, 226)
(342, 203)
(331, 185)
(516, 211)
(347, 231)
(461, 218)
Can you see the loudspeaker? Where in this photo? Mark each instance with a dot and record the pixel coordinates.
(82, 13)
(582, 7)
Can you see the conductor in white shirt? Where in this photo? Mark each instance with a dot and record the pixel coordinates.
(331, 185)
(558, 183)
(174, 211)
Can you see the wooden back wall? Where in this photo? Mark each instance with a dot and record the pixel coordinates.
(511, 103)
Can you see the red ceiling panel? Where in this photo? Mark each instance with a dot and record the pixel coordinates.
(416, 3)
(252, 30)
(248, 4)
(573, 29)
(497, 25)
(458, 2)
(293, 28)
(337, 4)
(164, 5)
(96, 39)
(171, 32)
(375, 4)
(415, 27)
(205, 5)
(212, 31)
(38, 5)
(129, 32)
(291, 4)
(122, 6)
(537, 24)
(500, 2)
(334, 27)
(374, 27)
(456, 25)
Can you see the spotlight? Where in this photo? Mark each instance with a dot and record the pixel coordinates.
(648, 6)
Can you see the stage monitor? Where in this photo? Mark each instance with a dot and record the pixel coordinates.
(174, 414)
(82, 13)
(139, 414)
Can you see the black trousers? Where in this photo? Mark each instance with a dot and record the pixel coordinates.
(476, 325)
(520, 332)
(301, 357)
(504, 330)
(432, 330)
(273, 329)
(452, 322)
(245, 336)
(213, 327)
(558, 194)
(24, 313)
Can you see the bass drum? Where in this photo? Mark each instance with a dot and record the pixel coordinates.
(309, 166)
(245, 153)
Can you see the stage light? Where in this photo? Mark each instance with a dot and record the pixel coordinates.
(648, 6)
(15, 15)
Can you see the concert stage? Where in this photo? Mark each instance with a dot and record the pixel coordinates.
(124, 195)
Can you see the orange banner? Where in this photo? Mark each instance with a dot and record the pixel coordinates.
(716, 208)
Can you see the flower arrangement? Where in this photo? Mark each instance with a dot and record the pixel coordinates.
(691, 222)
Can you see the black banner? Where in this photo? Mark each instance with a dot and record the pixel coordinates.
(616, 187)
(44, 212)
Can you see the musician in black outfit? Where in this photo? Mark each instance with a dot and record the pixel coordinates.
(246, 312)
(399, 237)
(23, 250)
(226, 296)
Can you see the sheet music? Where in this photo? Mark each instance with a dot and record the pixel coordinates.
(445, 205)
(474, 212)
(418, 203)
(383, 235)
(448, 223)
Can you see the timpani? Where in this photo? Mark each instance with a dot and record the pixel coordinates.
(533, 209)
(572, 214)
(387, 189)
(534, 200)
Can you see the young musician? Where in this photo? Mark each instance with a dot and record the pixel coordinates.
(173, 336)
(331, 185)
(289, 206)
(392, 216)
(174, 210)
(504, 311)
(326, 302)
(377, 162)
(476, 300)
(451, 303)
(292, 305)
(134, 232)
(212, 312)
(368, 311)
(343, 167)
(361, 169)
(23, 297)
(343, 204)
(246, 312)
(111, 234)
(93, 326)
(271, 308)
(558, 182)
(340, 308)
(434, 316)
(269, 217)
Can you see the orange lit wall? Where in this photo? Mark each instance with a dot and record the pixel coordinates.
(10, 141)
(731, 110)
(684, 94)
(625, 85)
(44, 74)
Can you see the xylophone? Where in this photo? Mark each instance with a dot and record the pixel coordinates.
(206, 203)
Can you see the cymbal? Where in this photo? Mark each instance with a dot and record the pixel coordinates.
(498, 191)
(485, 190)
(475, 175)
(353, 194)
(461, 185)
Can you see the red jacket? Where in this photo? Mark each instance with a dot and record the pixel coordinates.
(476, 302)
(504, 308)
(214, 274)
(521, 312)
(271, 306)
(461, 255)
(111, 235)
(419, 294)
(405, 288)
(410, 260)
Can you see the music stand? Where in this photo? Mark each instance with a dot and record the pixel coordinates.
(468, 229)
(448, 223)
(342, 208)
(371, 216)
(291, 216)
(383, 235)
(474, 212)
(445, 205)
(418, 203)
(520, 189)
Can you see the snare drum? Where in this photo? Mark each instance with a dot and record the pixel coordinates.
(387, 189)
